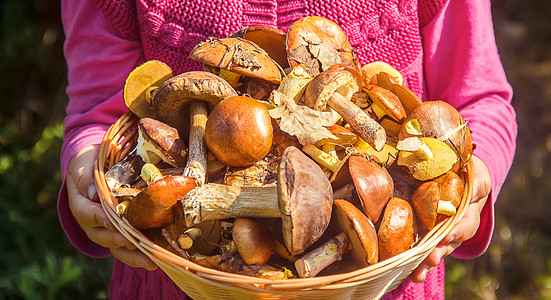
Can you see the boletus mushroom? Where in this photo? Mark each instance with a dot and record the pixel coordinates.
(396, 232)
(158, 141)
(252, 240)
(195, 90)
(371, 70)
(239, 131)
(141, 82)
(316, 43)
(439, 197)
(442, 121)
(242, 63)
(373, 185)
(333, 89)
(303, 200)
(270, 39)
(154, 206)
(357, 235)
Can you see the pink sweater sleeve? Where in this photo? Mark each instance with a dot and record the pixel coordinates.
(462, 67)
(99, 59)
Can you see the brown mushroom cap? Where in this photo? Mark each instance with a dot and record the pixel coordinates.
(239, 131)
(161, 139)
(387, 101)
(408, 98)
(170, 101)
(425, 202)
(316, 43)
(451, 188)
(305, 200)
(438, 119)
(237, 55)
(360, 230)
(373, 185)
(396, 232)
(252, 240)
(153, 206)
(325, 84)
(271, 39)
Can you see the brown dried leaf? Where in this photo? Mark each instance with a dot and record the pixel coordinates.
(301, 121)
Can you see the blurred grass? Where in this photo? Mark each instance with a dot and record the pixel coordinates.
(38, 262)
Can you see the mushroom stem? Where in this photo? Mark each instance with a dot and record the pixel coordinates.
(216, 202)
(321, 157)
(120, 209)
(186, 239)
(196, 166)
(150, 173)
(416, 146)
(446, 208)
(367, 128)
(318, 259)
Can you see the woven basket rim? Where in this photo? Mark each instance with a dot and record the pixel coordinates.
(116, 144)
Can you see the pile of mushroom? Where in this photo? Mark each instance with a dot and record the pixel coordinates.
(285, 158)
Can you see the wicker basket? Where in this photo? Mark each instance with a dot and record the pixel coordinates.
(204, 283)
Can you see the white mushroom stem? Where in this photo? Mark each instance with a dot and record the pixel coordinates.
(416, 146)
(216, 202)
(120, 209)
(360, 122)
(318, 259)
(186, 239)
(196, 166)
(446, 208)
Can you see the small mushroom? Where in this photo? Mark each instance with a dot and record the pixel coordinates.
(270, 39)
(126, 172)
(442, 121)
(396, 232)
(252, 240)
(373, 185)
(141, 82)
(235, 59)
(303, 200)
(371, 70)
(158, 141)
(356, 234)
(385, 103)
(408, 98)
(333, 89)
(239, 131)
(316, 43)
(153, 206)
(439, 197)
(195, 90)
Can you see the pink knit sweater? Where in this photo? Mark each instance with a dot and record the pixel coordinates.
(441, 47)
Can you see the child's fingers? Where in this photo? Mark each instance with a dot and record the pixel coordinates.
(133, 258)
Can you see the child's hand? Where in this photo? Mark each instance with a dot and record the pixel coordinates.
(85, 206)
(467, 226)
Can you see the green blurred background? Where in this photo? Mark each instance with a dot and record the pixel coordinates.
(37, 261)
